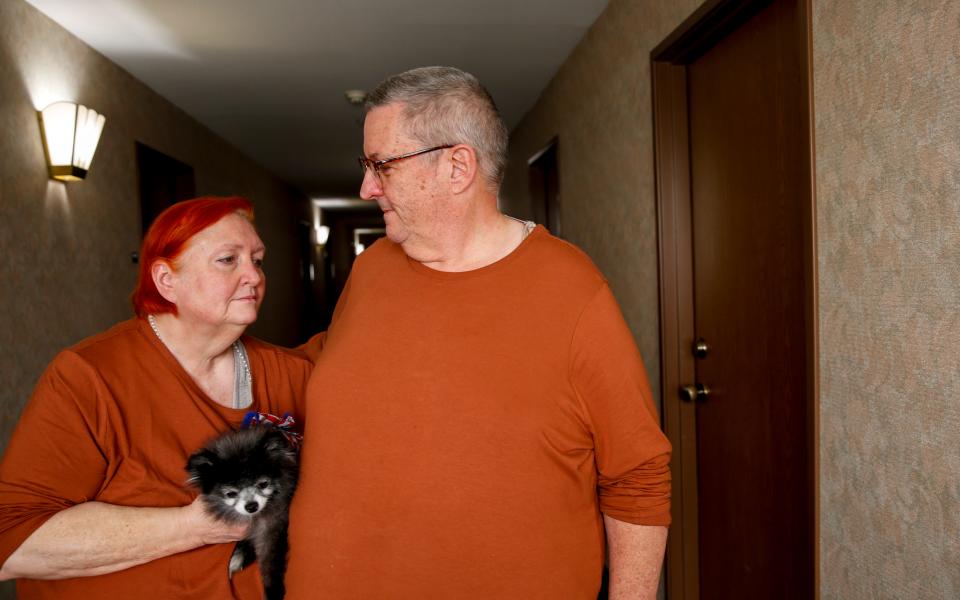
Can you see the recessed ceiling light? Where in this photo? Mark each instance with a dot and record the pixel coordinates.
(355, 97)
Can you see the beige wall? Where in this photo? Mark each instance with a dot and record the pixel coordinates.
(887, 101)
(65, 249)
(887, 110)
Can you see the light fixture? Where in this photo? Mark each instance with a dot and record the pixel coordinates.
(70, 135)
(355, 97)
(322, 234)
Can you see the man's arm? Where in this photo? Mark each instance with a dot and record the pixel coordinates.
(94, 538)
(635, 554)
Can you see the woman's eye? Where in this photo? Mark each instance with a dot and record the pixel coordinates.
(258, 262)
(227, 260)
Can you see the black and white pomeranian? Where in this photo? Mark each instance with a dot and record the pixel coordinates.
(249, 476)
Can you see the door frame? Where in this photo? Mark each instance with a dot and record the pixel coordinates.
(697, 34)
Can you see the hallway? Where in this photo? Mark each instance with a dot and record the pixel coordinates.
(886, 155)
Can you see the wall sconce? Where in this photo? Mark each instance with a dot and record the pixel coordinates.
(70, 135)
(322, 234)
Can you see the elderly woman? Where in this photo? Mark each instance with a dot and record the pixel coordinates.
(92, 496)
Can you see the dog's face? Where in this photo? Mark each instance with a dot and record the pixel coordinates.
(240, 472)
(245, 497)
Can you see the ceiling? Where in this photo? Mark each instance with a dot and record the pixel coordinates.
(269, 76)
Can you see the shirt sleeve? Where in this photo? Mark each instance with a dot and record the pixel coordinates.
(54, 459)
(632, 454)
(314, 346)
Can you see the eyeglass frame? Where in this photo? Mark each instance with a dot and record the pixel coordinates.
(367, 164)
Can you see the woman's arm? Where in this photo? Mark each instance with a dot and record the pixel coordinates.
(94, 538)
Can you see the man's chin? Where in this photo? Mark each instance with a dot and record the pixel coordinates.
(395, 236)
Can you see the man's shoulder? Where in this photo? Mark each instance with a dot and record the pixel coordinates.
(559, 259)
(381, 253)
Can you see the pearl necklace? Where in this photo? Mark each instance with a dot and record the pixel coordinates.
(239, 355)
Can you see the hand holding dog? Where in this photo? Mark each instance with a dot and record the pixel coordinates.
(212, 530)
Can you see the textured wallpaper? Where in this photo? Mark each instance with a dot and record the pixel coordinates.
(65, 271)
(887, 102)
(599, 107)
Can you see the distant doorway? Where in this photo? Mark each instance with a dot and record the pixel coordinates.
(351, 228)
(164, 181)
(545, 188)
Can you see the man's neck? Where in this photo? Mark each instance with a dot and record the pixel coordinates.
(472, 240)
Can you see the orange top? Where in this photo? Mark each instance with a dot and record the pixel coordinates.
(114, 419)
(466, 430)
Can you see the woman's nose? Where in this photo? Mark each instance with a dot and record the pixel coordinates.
(252, 273)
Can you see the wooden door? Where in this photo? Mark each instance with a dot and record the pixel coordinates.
(164, 181)
(748, 434)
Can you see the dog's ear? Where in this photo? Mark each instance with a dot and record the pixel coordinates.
(199, 465)
(276, 444)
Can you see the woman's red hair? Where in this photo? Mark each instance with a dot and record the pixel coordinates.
(167, 238)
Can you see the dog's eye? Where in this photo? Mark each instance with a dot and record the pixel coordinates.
(263, 485)
(230, 494)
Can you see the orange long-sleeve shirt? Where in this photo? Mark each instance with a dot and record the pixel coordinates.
(467, 430)
(114, 419)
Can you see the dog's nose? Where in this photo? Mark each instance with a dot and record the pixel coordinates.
(251, 507)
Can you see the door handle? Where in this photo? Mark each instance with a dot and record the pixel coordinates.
(700, 348)
(692, 393)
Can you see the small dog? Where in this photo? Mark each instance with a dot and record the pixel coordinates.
(249, 476)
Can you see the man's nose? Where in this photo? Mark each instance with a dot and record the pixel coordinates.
(370, 187)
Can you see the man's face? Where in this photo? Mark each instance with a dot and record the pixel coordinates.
(408, 190)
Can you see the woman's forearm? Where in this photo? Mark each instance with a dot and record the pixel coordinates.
(94, 538)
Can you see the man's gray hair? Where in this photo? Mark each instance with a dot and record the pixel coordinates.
(444, 105)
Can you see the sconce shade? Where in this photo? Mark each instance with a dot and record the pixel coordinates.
(70, 135)
(322, 234)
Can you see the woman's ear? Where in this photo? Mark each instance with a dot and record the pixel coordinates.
(163, 278)
(464, 173)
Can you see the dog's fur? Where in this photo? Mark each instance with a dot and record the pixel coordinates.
(249, 476)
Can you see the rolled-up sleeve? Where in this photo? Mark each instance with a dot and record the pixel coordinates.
(632, 454)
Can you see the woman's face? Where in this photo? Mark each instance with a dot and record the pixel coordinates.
(219, 277)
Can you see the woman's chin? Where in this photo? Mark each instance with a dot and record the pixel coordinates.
(243, 318)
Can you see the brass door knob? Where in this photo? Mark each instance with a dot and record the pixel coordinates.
(700, 348)
(692, 393)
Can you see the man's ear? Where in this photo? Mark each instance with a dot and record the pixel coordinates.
(464, 172)
(163, 277)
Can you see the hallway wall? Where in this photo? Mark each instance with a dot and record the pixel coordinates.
(887, 100)
(66, 268)
(887, 142)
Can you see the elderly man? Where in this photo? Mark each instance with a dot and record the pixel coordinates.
(479, 416)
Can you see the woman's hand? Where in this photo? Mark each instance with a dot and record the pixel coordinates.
(210, 529)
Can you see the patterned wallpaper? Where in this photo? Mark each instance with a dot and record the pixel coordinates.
(887, 102)
(66, 268)
(599, 107)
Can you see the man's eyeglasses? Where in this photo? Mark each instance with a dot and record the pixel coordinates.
(375, 165)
